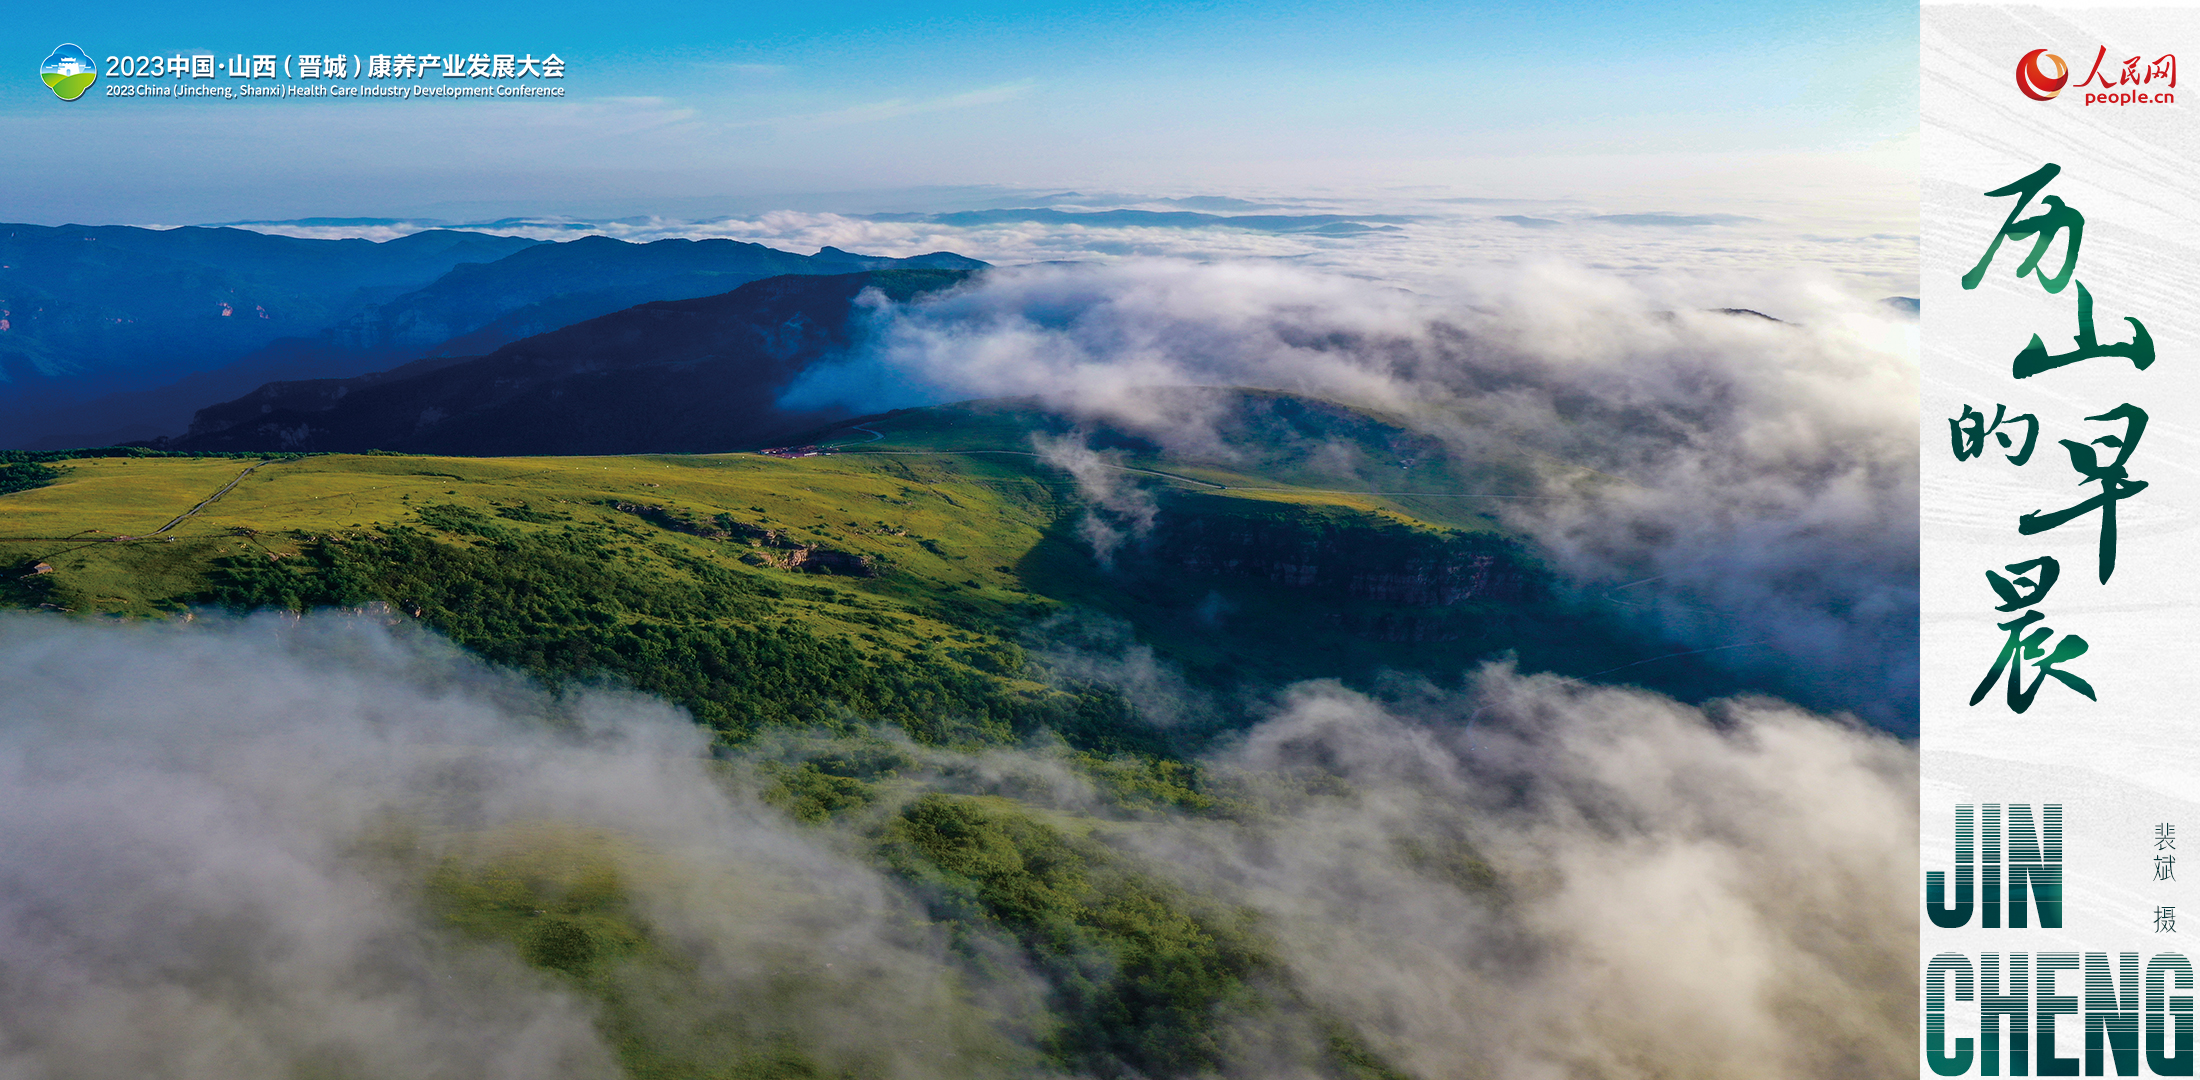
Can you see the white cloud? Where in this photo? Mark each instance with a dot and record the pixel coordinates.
(1758, 478)
(1740, 264)
(212, 870)
(1544, 879)
(215, 869)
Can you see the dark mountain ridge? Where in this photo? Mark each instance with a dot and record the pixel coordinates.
(91, 309)
(476, 308)
(685, 375)
(116, 333)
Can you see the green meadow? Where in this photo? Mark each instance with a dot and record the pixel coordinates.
(925, 588)
(916, 573)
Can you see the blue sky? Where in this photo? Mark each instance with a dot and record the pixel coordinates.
(677, 105)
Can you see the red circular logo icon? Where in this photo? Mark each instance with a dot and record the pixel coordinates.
(2033, 77)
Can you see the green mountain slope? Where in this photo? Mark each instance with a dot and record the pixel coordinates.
(934, 574)
(892, 579)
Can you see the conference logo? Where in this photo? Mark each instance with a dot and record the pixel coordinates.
(2035, 78)
(68, 72)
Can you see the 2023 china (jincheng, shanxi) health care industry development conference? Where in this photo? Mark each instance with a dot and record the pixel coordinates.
(71, 73)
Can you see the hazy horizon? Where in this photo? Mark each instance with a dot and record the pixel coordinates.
(691, 115)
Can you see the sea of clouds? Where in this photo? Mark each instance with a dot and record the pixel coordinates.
(1746, 485)
(1761, 507)
(196, 881)
(1716, 890)
(1730, 251)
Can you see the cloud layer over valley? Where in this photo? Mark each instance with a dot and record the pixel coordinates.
(1549, 879)
(218, 867)
(237, 863)
(1747, 485)
(1737, 248)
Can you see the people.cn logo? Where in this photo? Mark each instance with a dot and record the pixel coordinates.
(68, 72)
(2033, 77)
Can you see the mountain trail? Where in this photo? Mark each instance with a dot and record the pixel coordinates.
(211, 499)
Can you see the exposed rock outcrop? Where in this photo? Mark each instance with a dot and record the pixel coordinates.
(774, 549)
(812, 559)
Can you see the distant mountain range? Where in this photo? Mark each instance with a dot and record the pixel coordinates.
(682, 375)
(114, 333)
(476, 308)
(113, 307)
(1317, 224)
